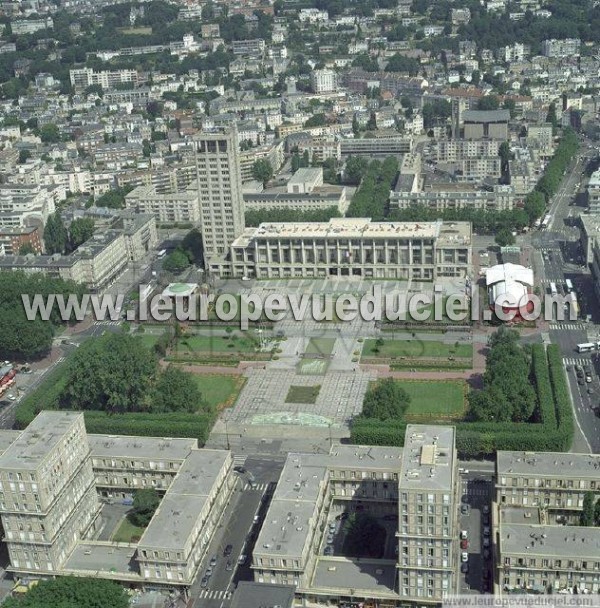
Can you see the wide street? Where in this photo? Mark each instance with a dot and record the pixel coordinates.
(558, 257)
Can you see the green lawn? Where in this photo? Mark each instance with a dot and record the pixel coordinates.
(320, 346)
(445, 398)
(303, 394)
(416, 348)
(236, 342)
(127, 532)
(219, 391)
(148, 340)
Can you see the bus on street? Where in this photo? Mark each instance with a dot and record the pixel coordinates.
(569, 285)
(553, 289)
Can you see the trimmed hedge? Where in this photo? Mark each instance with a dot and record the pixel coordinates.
(554, 432)
(562, 398)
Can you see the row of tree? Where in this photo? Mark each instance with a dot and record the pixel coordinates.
(59, 239)
(372, 197)
(507, 394)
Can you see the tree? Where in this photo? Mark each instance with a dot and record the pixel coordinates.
(505, 155)
(176, 262)
(355, 126)
(55, 234)
(80, 230)
(262, 171)
(535, 204)
(489, 102)
(588, 513)
(401, 63)
(72, 592)
(316, 120)
(50, 134)
(193, 247)
(176, 391)
(24, 156)
(26, 249)
(365, 536)
(114, 199)
(355, 169)
(113, 373)
(387, 400)
(145, 503)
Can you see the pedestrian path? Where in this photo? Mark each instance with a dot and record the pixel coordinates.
(107, 322)
(213, 594)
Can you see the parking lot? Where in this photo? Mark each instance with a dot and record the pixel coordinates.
(475, 520)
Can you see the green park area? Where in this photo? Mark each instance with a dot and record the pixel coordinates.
(388, 349)
(430, 399)
(236, 342)
(219, 391)
(417, 353)
(303, 394)
(127, 532)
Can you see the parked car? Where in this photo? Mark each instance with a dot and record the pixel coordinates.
(208, 572)
(486, 554)
(328, 550)
(343, 516)
(486, 519)
(464, 568)
(229, 565)
(486, 531)
(227, 551)
(242, 559)
(213, 561)
(486, 542)
(464, 534)
(204, 582)
(240, 469)
(330, 539)
(464, 544)
(464, 557)
(486, 509)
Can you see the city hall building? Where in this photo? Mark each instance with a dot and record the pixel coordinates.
(351, 247)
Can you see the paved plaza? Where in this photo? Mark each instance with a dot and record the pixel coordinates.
(262, 401)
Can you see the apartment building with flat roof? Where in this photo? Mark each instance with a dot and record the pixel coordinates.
(541, 546)
(414, 483)
(167, 208)
(49, 501)
(52, 475)
(428, 515)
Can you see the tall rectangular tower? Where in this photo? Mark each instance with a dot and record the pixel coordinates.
(48, 499)
(219, 191)
(427, 551)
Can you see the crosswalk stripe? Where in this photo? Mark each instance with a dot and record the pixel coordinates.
(239, 460)
(261, 487)
(575, 361)
(571, 326)
(213, 594)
